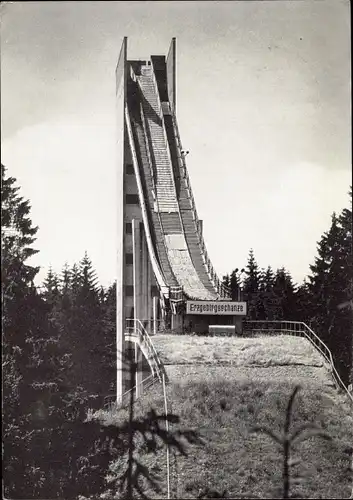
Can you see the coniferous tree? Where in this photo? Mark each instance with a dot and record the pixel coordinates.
(262, 280)
(303, 303)
(51, 287)
(289, 299)
(323, 283)
(18, 234)
(330, 286)
(251, 285)
(89, 290)
(345, 308)
(75, 281)
(268, 279)
(284, 296)
(252, 280)
(31, 360)
(65, 285)
(65, 278)
(108, 345)
(234, 285)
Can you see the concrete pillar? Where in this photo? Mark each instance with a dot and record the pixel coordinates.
(149, 306)
(121, 90)
(172, 321)
(137, 271)
(136, 252)
(155, 305)
(144, 278)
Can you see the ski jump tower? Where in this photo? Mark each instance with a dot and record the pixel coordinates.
(165, 277)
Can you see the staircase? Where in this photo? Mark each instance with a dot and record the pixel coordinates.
(166, 196)
(136, 332)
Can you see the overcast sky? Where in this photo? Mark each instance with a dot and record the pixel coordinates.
(263, 104)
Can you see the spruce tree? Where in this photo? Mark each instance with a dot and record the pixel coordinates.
(252, 280)
(251, 286)
(266, 299)
(325, 287)
(75, 281)
(234, 284)
(108, 346)
(17, 237)
(89, 290)
(303, 303)
(31, 362)
(268, 279)
(51, 286)
(330, 286)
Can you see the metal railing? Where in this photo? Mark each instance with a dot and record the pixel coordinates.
(135, 327)
(298, 329)
(222, 290)
(155, 265)
(110, 400)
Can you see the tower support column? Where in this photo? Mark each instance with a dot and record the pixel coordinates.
(137, 279)
(155, 306)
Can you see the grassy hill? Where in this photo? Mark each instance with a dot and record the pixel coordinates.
(221, 388)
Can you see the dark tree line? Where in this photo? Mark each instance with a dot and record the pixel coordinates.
(323, 300)
(58, 360)
(84, 315)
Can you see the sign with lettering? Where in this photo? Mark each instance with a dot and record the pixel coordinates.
(216, 307)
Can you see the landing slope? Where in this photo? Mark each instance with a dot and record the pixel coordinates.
(221, 387)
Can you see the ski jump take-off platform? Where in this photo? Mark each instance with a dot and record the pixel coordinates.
(165, 278)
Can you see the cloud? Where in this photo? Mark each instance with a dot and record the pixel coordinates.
(283, 220)
(68, 172)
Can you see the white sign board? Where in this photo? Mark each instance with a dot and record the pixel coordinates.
(216, 307)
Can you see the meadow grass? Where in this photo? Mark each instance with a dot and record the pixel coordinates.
(226, 400)
(236, 351)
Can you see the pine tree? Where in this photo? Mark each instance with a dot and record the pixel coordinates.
(325, 287)
(65, 278)
(234, 284)
(268, 279)
(345, 308)
(284, 299)
(80, 321)
(303, 303)
(331, 286)
(51, 286)
(30, 359)
(109, 338)
(262, 280)
(88, 276)
(252, 281)
(251, 286)
(345, 221)
(75, 281)
(17, 236)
